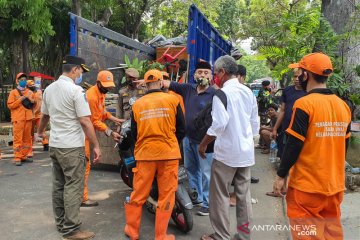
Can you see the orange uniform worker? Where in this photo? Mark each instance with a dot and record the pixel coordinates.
(315, 151)
(20, 103)
(96, 99)
(37, 110)
(158, 125)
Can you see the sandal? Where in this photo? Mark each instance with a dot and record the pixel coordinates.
(265, 151)
(272, 194)
(258, 146)
(208, 237)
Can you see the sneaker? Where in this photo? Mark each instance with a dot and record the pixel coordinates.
(29, 159)
(89, 203)
(203, 211)
(254, 180)
(18, 163)
(79, 235)
(197, 204)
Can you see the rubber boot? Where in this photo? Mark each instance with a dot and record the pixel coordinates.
(161, 225)
(133, 218)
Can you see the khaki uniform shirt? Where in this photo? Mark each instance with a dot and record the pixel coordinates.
(125, 94)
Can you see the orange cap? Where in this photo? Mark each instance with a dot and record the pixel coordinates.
(317, 63)
(106, 79)
(19, 75)
(30, 83)
(153, 75)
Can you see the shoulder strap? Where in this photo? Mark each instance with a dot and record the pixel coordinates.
(19, 91)
(220, 94)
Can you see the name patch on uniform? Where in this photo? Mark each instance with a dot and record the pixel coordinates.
(331, 129)
(154, 113)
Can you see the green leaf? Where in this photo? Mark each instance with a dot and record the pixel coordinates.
(127, 61)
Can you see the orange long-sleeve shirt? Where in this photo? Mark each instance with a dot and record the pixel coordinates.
(18, 111)
(99, 114)
(38, 101)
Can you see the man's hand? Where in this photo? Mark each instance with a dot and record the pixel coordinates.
(97, 154)
(117, 121)
(202, 149)
(116, 136)
(273, 134)
(29, 94)
(38, 137)
(280, 187)
(140, 83)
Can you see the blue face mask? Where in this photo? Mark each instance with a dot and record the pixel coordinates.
(79, 80)
(22, 83)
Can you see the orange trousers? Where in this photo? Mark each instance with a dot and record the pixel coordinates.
(45, 140)
(166, 172)
(314, 215)
(22, 143)
(37, 124)
(167, 179)
(87, 170)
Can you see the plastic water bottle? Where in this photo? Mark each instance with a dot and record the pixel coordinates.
(127, 200)
(273, 151)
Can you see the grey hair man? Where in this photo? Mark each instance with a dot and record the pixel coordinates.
(233, 128)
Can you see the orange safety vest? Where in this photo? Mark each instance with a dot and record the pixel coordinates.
(320, 167)
(155, 116)
(180, 99)
(18, 111)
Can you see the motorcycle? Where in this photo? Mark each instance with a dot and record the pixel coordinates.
(181, 213)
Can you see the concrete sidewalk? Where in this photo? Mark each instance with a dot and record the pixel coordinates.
(26, 210)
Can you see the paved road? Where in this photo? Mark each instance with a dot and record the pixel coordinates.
(26, 213)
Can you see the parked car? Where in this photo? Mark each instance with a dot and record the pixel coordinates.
(255, 88)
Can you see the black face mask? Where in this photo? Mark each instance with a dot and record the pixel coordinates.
(130, 83)
(303, 82)
(102, 89)
(32, 89)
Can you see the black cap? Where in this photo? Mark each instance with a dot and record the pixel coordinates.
(76, 61)
(265, 83)
(203, 65)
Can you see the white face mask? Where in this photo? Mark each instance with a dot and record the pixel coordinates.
(78, 80)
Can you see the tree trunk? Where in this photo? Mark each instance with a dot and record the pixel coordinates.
(25, 52)
(338, 12)
(16, 62)
(76, 7)
(341, 15)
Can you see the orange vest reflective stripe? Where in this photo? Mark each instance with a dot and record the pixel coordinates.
(155, 116)
(320, 167)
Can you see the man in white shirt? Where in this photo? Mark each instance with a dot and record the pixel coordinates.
(233, 128)
(65, 106)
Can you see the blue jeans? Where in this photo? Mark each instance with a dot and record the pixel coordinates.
(198, 170)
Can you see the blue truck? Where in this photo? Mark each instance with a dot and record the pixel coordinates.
(103, 48)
